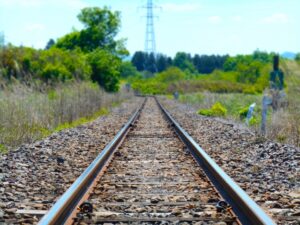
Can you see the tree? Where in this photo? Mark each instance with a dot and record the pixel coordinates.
(105, 69)
(298, 57)
(50, 43)
(100, 29)
(162, 63)
(183, 61)
(138, 60)
(172, 74)
(150, 64)
(128, 70)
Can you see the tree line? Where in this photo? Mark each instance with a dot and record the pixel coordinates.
(203, 64)
(91, 53)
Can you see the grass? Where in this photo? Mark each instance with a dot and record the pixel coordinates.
(233, 102)
(83, 120)
(28, 114)
(283, 125)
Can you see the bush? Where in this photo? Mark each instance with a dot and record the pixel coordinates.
(243, 112)
(56, 73)
(216, 110)
(253, 121)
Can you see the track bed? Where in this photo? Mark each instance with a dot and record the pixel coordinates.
(153, 179)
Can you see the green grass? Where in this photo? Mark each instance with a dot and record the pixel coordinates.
(3, 149)
(83, 120)
(233, 102)
(28, 114)
(282, 126)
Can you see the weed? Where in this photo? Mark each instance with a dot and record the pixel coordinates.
(216, 110)
(3, 149)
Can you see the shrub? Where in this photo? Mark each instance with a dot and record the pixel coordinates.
(55, 72)
(3, 149)
(243, 112)
(253, 121)
(216, 110)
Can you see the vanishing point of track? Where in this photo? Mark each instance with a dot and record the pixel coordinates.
(154, 173)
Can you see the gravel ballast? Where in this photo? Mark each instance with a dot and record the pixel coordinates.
(34, 176)
(269, 172)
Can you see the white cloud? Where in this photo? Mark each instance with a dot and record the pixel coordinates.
(34, 27)
(276, 18)
(215, 19)
(180, 7)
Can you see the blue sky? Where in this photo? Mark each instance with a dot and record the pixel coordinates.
(195, 26)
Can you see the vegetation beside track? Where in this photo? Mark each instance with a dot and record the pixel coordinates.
(28, 115)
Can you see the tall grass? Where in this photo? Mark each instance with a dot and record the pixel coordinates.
(283, 125)
(27, 114)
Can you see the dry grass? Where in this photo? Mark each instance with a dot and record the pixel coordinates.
(27, 115)
(283, 125)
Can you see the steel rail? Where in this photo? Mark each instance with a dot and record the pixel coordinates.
(243, 206)
(64, 207)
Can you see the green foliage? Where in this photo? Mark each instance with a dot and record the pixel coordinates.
(184, 62)
(27, 63)
(172, 74)
(105, 69)
(298, 57)
(216, 110)
(53, 72)
(128, 70)
(100, 29)
(243, 112)
(253, 121)
(3, 149)
(83, 120)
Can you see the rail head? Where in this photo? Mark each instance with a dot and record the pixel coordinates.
(63, 208)
(244, 207)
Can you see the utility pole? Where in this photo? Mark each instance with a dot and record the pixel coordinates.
(150, 44)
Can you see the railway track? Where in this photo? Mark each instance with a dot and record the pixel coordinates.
(150, 174)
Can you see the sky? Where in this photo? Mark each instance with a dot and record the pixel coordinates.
(194, 26)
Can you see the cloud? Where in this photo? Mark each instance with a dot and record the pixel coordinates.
(34, 27)
(215, 19)
(278, 18)
(180, 7)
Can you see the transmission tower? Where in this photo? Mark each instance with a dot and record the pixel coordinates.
(150, 45)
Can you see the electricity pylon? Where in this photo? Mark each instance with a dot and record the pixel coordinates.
(150, 43)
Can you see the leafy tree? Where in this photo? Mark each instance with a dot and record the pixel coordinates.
(128, 70)
(162, 63)
(100, 29)
(138, 60)
(150, 64)
(249, 73)
(298, 57)
(50, 43)
(105, 69)
(183, 61)
(172, 74)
